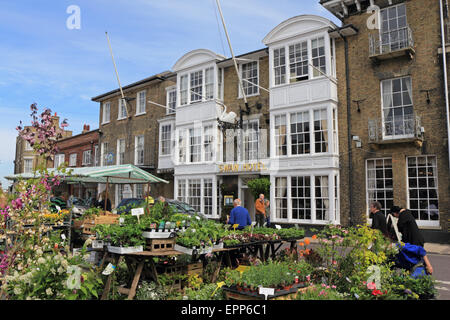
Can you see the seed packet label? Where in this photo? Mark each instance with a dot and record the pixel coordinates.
(278, 226)
(253, 223)
(63, 236)
(137, 211)
(121, 220)
(109, 269)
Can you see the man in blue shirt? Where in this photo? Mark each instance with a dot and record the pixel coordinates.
(239, 215)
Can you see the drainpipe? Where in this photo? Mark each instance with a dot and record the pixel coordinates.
(444, 58)
(349, 134)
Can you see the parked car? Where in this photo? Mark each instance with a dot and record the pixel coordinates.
(126, 205)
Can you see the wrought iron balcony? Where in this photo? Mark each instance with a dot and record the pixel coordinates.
(387, 45)
(398, 129)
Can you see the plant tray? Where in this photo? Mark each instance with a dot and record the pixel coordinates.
(158, 234)
(190, 251)
(160, 245)
(232, 293)
(125, 250)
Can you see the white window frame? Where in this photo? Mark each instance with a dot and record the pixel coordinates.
(246, 84)
(206, 189)
(59, 159)
(106, 112)
(87, 157)
(197, 145)
(96, 159)
(122, 107)
(73, 159)
(28, 146)
(140, 110)
(103, 152)
(278, 134)
(245, 141)
(201, 97)
(403, 106)
(384, 200)
(139, 156)
(119, 153)
(208, 140)
(171, 93)
(199, 79)
(164, 139)
(25, 160)
(420, 222)
(287, 65)
(330, 218)
(395, 30)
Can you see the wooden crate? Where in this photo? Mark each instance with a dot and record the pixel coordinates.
(89, 224)
(195, 268)
(160, 245)
(233, 295)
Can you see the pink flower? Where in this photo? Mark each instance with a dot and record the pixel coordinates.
(322, 292)
(371, 286)
(334, 287)
(308, 278)
(324, 285)
(334, 262)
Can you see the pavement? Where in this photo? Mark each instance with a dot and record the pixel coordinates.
(437, 248)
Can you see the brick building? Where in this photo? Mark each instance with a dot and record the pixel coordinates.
(131, 136)
(393, 137)
(26, 159)
(79, 151)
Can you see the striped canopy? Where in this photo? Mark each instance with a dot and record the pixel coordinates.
(120, 174)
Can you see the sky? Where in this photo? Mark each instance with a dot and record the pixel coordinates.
(43, 61)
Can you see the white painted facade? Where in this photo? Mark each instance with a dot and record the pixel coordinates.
(198, 176)
(304, 185)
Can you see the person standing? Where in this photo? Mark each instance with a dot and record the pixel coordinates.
(378, 218)
(407, 226)
(239, 215)
(260, 210)
(267, 213)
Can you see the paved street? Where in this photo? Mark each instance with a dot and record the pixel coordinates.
(441, 270)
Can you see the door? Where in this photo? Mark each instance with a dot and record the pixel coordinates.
(248, 202)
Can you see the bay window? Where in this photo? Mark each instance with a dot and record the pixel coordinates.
(196, 86)
(280, 135)
(300, 133)
(195, 145)
(321, 131)
(302, 55)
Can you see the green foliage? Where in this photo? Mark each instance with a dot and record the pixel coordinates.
(258, 186)
(150, 291)
(205, 292)
(322, 292)
(54, 276)
(271, 275)
(291, 233)
(128, 235)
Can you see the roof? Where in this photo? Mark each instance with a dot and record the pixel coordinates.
(161, 76)
(119, 174)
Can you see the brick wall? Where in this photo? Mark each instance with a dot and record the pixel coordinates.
(425, 70)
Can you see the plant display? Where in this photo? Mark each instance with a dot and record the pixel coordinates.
(291, 233)
(129, 235)
(54, 276)
(91, 213)
(201, 233)
(322, 292)
(204, 292)
(278, 275)
(150, 291)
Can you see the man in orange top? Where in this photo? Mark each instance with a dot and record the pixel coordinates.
(260, 209)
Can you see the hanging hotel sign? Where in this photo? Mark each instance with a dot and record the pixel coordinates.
(245, 167)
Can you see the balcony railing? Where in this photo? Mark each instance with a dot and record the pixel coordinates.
(397, 128)
(391, 44)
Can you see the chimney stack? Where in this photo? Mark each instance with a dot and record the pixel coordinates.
(86, 128)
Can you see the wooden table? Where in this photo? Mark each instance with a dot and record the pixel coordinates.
(136, 263)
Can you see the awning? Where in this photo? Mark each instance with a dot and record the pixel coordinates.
(120, 174)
